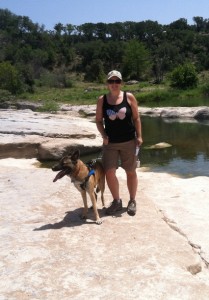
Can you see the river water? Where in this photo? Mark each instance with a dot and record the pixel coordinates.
(188, 155)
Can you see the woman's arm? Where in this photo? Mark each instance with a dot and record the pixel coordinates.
(136, 117)
(99, 120)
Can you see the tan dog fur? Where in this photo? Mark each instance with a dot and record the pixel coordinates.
(73, 167)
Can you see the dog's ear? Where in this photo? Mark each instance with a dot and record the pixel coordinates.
(75, 156)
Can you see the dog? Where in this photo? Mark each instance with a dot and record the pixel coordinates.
(87, 182)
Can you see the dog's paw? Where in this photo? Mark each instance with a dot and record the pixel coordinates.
(99, 222)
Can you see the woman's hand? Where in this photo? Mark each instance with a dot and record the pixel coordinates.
(105, 140)
(139, 141)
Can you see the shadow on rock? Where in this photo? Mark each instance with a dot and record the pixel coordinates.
(73, 218)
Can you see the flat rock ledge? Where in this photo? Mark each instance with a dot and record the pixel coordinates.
(196, 113)
(46, 136)
(48, 252)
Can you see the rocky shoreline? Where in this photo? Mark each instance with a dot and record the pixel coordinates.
(26, 133)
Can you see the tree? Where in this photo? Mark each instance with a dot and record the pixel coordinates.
(135, 60)
(200, 23)
(87, 30)
(180, 24)
(115, 31)
(184, 76)
(163, 60)
(9, 78)
(95, 71)
(59, 28)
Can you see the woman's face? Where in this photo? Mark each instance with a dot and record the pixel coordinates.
(114, 83)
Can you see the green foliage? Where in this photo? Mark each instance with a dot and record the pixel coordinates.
(85, 93)
(80, 93)
(143, 50)
(57, 80)
(154, 97)
(49, 106)
(27, 77)
(9, 78)
(5, 96)
(95, 71)
(171, 97)
(184, 76)
(135, 60)
(205, 89)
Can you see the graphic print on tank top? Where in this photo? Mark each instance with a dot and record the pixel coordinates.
(121, 114)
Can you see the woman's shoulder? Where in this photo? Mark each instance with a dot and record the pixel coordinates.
(100, 100)
(129, 96)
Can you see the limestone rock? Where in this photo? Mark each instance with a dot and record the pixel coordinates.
(28, 134)
(160, 145)
(48, 252)
(176, 112)
(202, 114)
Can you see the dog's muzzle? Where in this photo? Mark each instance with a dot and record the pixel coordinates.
(61, 173)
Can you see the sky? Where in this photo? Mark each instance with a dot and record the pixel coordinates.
(77, 12)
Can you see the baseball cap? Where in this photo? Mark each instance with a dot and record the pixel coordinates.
(114, 73)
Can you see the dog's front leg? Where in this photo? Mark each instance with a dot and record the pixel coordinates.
(94, 203)
(85, 206)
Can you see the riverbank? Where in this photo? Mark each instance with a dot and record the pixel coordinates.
(26, 133)
(48, 252)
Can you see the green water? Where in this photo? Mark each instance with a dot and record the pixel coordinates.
(187, 157)
(189, 154)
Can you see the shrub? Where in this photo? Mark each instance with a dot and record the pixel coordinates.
(56, 80)
(184, 76)
(10, 78)
(49, 106)
(5, 96)
(205, 89)
(95, 71)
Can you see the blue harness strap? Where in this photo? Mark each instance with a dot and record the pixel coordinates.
(91, 172)
(83, 185)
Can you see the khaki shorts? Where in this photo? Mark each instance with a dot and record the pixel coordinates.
(120, 154)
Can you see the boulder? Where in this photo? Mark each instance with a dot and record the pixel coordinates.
(173, 114)
(161, 145)
(202, 114)
(28, 105)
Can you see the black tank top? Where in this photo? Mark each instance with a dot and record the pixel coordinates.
(118, 121)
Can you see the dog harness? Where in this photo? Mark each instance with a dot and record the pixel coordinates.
(83, 185)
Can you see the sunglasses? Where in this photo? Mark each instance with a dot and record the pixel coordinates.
(111, 81)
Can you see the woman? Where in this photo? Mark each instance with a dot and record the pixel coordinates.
(118, 121)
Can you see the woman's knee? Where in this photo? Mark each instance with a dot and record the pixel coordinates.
(110, 172)
(131, 173)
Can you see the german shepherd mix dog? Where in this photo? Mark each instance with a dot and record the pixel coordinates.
(85, 180)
